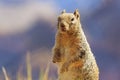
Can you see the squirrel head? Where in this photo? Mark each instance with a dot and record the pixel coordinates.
(68, 22)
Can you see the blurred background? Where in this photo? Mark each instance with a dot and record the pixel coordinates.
(29, 26)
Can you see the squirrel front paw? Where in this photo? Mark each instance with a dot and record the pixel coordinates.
(64, 68)
(56, 56)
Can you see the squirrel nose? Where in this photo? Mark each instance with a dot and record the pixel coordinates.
(62, 25)
(53, 61)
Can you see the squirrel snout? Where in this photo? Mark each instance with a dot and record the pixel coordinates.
(53, 61)
(62, 25)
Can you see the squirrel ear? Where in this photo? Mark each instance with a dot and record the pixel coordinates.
(63, 11)
(76, 13)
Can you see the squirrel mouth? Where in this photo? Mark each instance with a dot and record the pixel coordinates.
(63, 29)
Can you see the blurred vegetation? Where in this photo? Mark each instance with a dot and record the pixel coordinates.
(43, 75)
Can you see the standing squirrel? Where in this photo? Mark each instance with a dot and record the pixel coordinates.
(71, 51)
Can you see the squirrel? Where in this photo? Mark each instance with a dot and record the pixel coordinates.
(71, 51)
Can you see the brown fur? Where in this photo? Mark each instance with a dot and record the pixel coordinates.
(71, 50)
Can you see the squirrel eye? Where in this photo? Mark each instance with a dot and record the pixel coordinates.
(72, 19)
